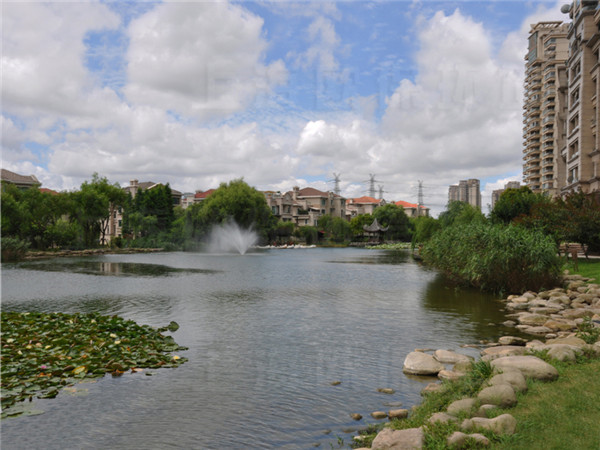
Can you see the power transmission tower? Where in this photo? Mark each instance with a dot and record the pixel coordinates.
(372, 185)
(336, 180)
(420, 198)
(380, 191)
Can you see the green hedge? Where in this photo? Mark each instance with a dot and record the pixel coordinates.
(499, 258)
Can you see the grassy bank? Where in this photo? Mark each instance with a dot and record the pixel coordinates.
(559, 415)
(589, 268)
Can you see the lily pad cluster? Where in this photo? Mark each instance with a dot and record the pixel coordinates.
(43, 352)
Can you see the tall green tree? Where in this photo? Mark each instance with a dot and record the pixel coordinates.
(514, 203)
(425, 228)
(394, 217)
(357, 223)
(92, 207)
(33, 216)
(460, 213)
(335, 228)
(235, 201)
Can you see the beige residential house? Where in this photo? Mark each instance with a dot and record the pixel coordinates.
(413, 210)
(21, 181)
(362, 205)
(305, 206)
(581, 151)
(545, 107)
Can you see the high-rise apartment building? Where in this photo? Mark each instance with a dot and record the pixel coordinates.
(581, 151)
(544, 107)
(467, 191)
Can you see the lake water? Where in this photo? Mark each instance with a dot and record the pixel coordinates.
(268, 332)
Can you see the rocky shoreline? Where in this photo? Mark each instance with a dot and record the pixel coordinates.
(550, 317)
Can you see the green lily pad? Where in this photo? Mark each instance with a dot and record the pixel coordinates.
(43, 352)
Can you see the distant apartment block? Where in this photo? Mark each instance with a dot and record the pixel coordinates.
(498, 192)
(545, 107)
(581, 152)
(467, 191)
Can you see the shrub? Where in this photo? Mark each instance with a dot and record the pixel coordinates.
(499, 258)
(13, 249)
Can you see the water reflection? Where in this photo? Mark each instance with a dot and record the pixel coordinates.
(117, 269)
(383, 257)
(482, 311)
(267, 334)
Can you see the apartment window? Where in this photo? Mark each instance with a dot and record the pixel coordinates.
(575, 96)
(573, 123)
(576, 70)
(573, 175)
(573, 149)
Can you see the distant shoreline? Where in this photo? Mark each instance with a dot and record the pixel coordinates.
(32, 255)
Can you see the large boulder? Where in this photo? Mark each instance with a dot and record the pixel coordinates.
(503, 424)
(530, 366)
(562, 352)
(512, 340)
(492, 353)
(459, 439)
(560, 324)
(513, 377)
(450, 357)
(578, 313)
(465, 405)
(502, 395)
(532, 320)
(388, 439)
(574, 341)
(417, 363)
(442, 417)
(398, 413)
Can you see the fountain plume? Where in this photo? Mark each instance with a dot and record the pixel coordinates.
(230, 237)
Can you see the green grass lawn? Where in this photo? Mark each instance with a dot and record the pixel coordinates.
(561, 415)
(589, 268)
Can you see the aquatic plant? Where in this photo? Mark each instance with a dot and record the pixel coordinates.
(44, 352)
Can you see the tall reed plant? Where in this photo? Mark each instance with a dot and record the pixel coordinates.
(498, 258)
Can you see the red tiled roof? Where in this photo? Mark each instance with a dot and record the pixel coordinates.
(203, 195)
(48, 191)
(409, 205)
(364, 199)
(312, 192)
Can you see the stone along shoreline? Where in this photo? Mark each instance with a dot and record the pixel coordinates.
(551, 318)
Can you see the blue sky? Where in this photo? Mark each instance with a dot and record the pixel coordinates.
(280, 93)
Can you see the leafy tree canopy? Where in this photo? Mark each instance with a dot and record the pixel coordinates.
(394, 217)
(514, 203)
(236, 201)
(460, 213)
